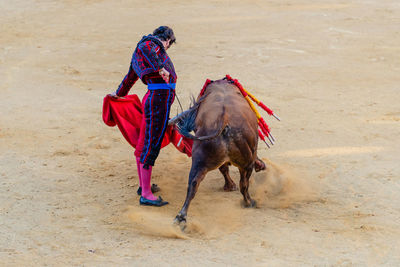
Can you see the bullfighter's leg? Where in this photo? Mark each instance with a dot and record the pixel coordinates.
(229, 183)
(196, 175)
(245, 174)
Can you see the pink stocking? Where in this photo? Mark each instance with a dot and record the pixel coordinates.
(138, 170)
(146, 180)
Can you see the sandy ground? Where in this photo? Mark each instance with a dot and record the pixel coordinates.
(330, 70)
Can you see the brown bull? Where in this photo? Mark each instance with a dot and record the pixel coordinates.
(226, 133)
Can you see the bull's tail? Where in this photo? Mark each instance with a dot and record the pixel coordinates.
(223, 125)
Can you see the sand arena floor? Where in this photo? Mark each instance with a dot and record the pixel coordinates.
(330, 70)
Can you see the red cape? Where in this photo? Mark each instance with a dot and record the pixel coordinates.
(127, 114)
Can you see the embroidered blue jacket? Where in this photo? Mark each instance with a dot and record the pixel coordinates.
(147, 59)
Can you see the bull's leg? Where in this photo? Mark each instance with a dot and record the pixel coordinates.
(196, 175)
(259, 165)
(245, 174)
(229, 183)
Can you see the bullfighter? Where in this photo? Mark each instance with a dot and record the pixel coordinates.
(151, 63)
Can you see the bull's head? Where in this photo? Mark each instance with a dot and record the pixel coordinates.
(186, 122)
(179, 117)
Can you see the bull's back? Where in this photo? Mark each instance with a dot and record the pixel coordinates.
(222, 95)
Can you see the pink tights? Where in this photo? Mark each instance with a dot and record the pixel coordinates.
(138, 170)
(145, 180)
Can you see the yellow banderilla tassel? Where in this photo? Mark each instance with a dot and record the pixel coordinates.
(252, 97)
(253, 108)
(261, 104)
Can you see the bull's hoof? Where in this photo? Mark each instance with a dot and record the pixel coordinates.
(251, 204)
(180, 221)
(259, 165)
(230, 187)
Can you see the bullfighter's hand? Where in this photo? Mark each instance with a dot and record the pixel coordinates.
(164, 74)
(115, 96)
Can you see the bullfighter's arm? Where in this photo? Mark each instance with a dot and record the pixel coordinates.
(127, 83)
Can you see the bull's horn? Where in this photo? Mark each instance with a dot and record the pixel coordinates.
(175, 119)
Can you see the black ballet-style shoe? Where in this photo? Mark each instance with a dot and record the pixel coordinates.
(154, 189)
(157, 203)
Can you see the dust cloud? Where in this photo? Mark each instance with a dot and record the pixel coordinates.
(282, 186)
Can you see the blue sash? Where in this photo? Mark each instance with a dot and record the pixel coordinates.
(154, 86)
